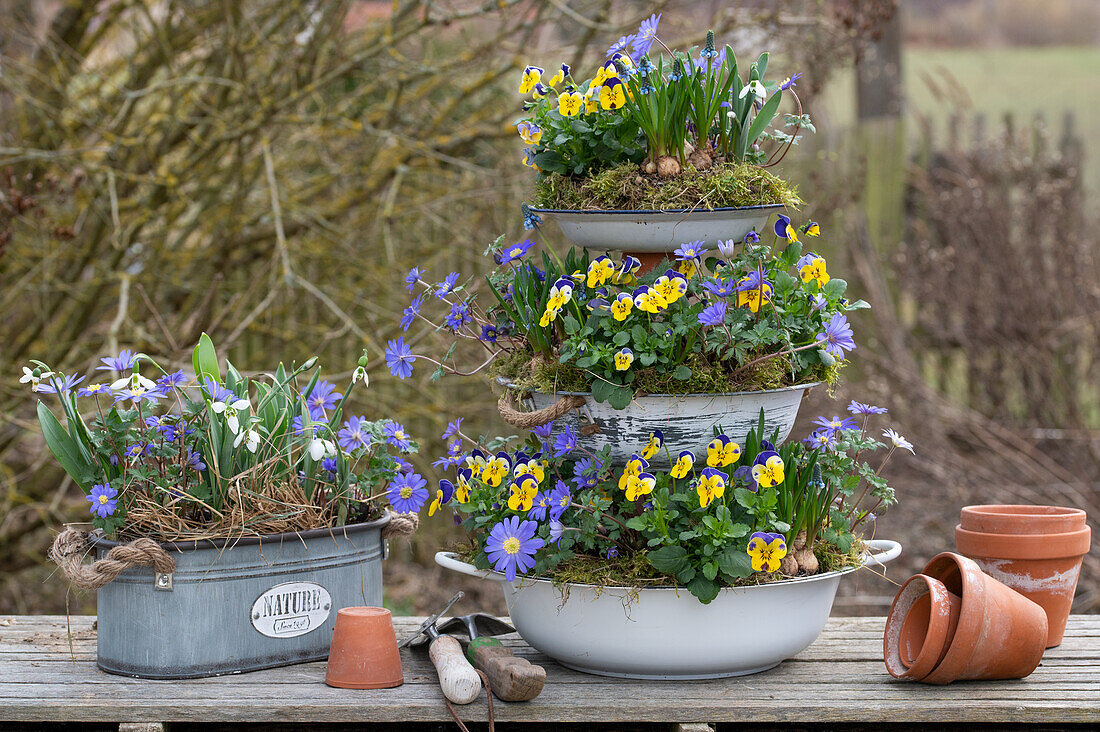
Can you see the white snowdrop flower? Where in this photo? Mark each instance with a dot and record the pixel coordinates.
(755, 87)
(231, 410)
(320, 448)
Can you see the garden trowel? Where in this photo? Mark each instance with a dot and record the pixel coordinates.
(512, 678)
(457, 678)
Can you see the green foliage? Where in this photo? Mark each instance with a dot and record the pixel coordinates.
(577, 146)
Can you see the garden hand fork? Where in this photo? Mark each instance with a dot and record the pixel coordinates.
(459, 681)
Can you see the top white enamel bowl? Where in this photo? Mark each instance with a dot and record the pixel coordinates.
(657, 231)
(664, 632)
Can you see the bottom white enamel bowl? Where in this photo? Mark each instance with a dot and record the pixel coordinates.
(664, 632)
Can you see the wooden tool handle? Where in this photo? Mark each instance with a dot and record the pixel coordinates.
(457, 678)
(511, 677)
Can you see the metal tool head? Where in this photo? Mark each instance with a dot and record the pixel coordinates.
(427, 630)
(476, 625)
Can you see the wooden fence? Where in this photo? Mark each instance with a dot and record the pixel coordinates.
(996, 277)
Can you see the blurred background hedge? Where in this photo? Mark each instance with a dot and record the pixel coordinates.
(267, 171)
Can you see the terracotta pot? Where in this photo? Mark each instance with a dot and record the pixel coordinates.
(364, 654)
(1035, 550)
(1000, 634)
(920, 627)
(649, 260)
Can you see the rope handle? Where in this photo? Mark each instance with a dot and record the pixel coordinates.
(401, 524)
(71, 546)
(529, 420)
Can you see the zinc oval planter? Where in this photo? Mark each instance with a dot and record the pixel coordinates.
(236, 605)
(665, 632)
(657, 232)
(686, 420)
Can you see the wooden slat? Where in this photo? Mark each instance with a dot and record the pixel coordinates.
(47, 676)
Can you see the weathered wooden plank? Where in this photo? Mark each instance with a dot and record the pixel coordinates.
(840, 678)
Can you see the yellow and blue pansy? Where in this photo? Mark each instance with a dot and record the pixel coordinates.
(784, 230)
(622, 306)
(684, 464)
(539, 91)
(443, 496)
(600, 271)
(559, 76)
(534, 467)
(766, 551)
(597, 303)
(612, 94)
(570, 104)
(625, 273)
(496, 468)
(623, 358)
(753, 291)
(687, 268)
(635, 466)
(529, 132)
(561, 292)
(722, 451)
(529, 157)
(811, 228)
(523, 492)
(656, 442)
(812, 267)
(768, 469)
(711, 485)
(462, 487)
(531, 76)
(649, 300)
(475, 461)
(671, 285)
(591, 101)
(639, 485)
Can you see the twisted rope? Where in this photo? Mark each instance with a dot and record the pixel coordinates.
(71, 546)
(528, 420)
(401, 524)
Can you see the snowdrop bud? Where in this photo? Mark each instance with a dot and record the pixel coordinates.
(309, 364)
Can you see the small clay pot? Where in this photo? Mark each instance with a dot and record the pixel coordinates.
(1000, 633)
(920, 627)
(364, 654)
(650, 260)
(1035, 550)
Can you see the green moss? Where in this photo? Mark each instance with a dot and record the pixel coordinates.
(706, 378)
(623, 187)
(633, 570)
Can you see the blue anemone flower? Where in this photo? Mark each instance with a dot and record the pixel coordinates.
(444, 288)
(124, 361)
(514, 251)
(410, 313)
(399, 358)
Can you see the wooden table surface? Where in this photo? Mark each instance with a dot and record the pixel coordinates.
(840, 678)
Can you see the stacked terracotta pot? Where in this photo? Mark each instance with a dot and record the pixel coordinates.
(990, 611)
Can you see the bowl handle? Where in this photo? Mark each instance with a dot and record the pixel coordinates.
(881, 551)
(449, 560)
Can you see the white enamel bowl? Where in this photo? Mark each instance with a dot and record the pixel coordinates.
(657, 231)
(664, 632)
